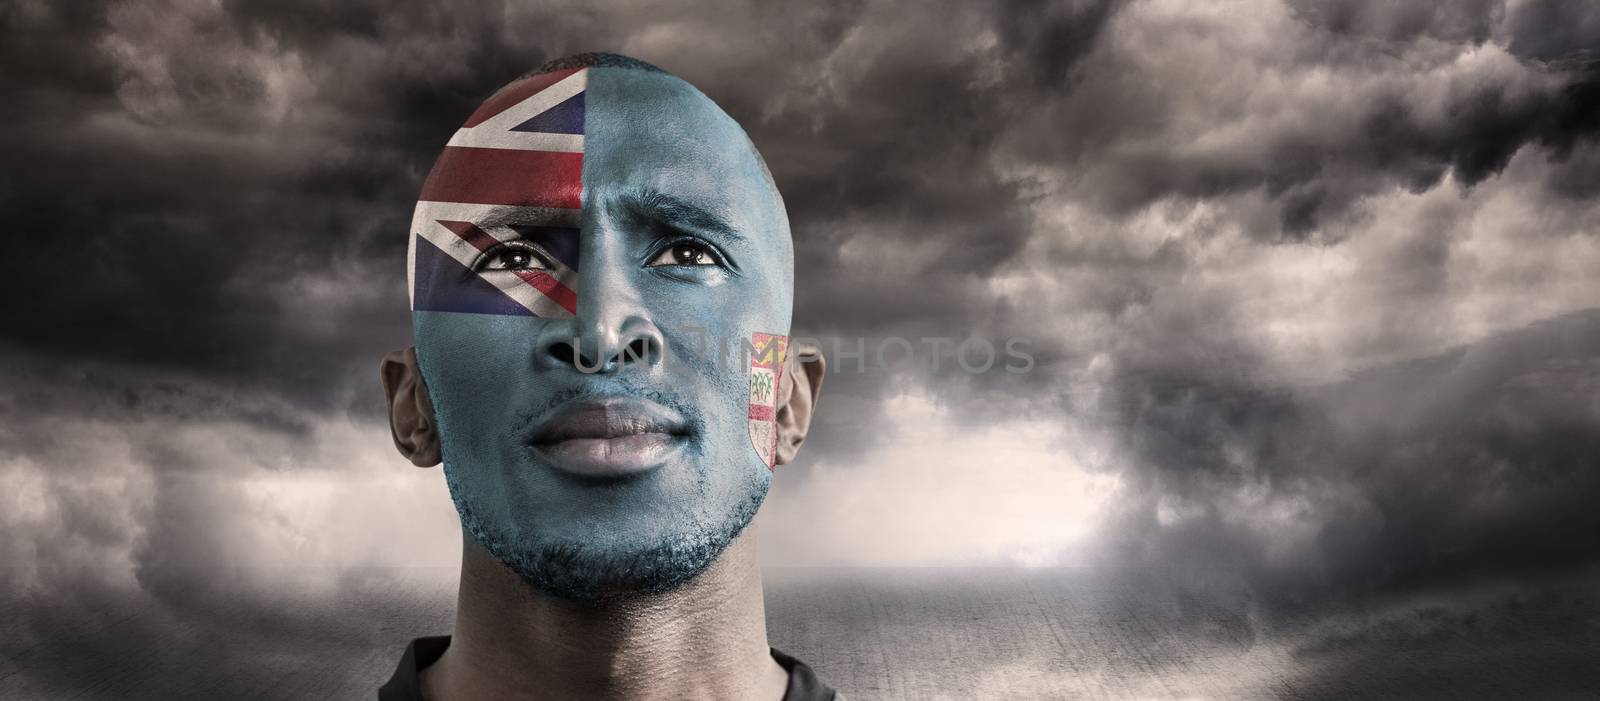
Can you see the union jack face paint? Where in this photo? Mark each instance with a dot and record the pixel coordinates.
(496, 228)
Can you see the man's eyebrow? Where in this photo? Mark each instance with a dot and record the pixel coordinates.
(508, 215)
(678, 212)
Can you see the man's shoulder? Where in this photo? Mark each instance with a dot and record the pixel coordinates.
(405, 684)
(803, 683)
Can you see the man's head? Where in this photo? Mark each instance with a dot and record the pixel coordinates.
(591, 257)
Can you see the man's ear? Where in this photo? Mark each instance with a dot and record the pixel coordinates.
(803, 370)
(410, 412)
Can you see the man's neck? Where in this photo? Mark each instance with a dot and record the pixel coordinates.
(705, 640)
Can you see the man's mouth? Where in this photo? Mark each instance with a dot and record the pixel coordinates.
(609, 438)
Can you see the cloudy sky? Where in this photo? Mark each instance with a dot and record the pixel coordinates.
(1312, 288)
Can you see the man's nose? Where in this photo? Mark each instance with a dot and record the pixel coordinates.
(612, 330)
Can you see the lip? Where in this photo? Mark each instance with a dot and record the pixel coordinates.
(609, 438)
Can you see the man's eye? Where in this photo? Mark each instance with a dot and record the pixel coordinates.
(513, 258)
(685, 254)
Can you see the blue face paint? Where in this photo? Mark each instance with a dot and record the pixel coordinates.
(681, 247)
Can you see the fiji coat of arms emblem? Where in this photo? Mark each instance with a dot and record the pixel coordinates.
(766, 372)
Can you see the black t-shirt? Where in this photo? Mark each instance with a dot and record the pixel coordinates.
(405, 686)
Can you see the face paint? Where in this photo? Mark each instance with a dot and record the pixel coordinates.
(766, 372)
(496, 228)
(525, 276)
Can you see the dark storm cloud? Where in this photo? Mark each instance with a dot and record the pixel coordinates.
(1467, 21)
(1551, 30)
(1047, 40)
(1415, 95)
(1436, 470)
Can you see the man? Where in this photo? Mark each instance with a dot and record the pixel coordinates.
(601, 277)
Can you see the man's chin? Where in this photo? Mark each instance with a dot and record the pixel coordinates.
(583, 574)
(578, 570)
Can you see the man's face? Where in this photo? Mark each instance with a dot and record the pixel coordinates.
(580, 251)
